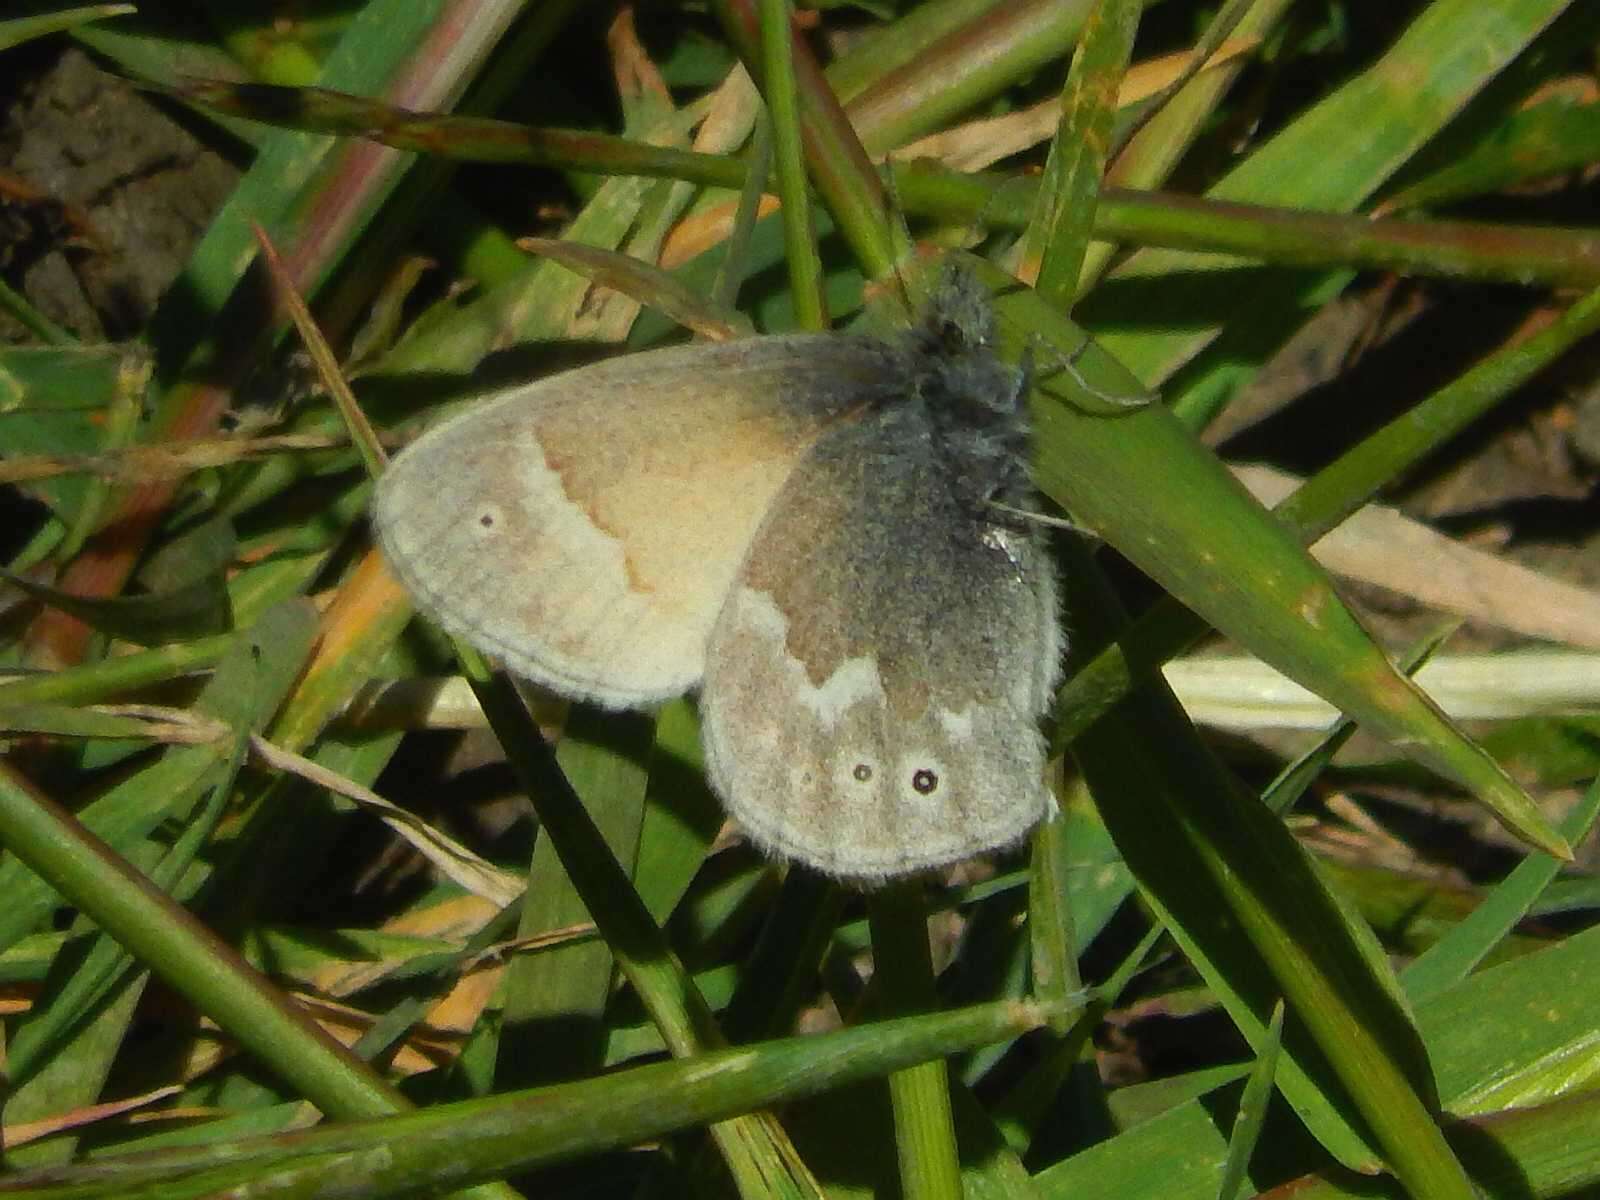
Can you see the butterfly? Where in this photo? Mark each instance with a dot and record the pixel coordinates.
(825, 533)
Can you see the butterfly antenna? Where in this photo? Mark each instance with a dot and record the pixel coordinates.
(1039, 518)
(1067, 364)
(903, 246)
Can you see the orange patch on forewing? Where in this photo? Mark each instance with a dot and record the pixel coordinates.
(681, 495)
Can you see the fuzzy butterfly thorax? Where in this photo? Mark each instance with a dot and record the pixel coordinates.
(976, 402)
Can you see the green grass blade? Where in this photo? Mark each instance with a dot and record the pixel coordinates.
(1053, 960)
(837, 165)
(780, 91)
(191, 958)
(1215, 865)
(1452, 957)
(1052, 249)
(1284, 792)
(482, 1138)
(1450, 51)
(25, 29)
(1519, 1032)
(1188, 524)
(925, 1134)
(1252, 1109)
(755, 1147)
(553, 1002)
(1333, 493)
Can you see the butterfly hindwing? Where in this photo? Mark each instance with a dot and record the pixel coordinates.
(876, 676)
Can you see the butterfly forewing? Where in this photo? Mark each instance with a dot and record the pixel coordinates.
(585, 528)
